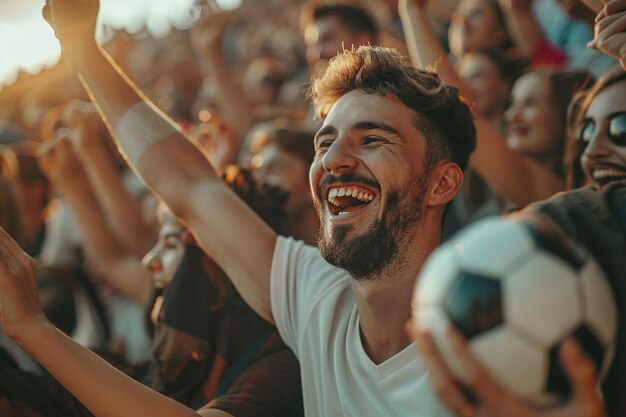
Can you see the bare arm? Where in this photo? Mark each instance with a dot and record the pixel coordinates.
(206, 37)
(509, 173)
(171, 165)
(100, 387)
(113, 262)
(522, 25)
(123, 212)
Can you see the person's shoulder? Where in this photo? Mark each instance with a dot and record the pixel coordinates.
(585, 197)
(297, 259)
(588, 211)
(289, 248)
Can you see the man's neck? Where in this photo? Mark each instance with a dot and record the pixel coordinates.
(384, 308)
(384, 301)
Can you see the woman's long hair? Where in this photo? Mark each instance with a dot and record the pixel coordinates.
(575, 177)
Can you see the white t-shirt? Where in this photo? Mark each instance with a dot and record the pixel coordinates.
(315, 313)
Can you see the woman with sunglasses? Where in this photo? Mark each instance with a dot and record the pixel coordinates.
(600, 146)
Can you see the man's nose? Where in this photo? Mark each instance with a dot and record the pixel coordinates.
(341, 157)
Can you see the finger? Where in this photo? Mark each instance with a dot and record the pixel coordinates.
(47, 148)
(615, 6)
(582, 374)
(441, 379)
(613, 45)
(611, 25)
(609, 34)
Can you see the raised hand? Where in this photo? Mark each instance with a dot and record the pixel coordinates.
(217, 140)
(57, 157)
(208, 32)
(87, 127)
(20, 309)
(610, 30)
(73, 21)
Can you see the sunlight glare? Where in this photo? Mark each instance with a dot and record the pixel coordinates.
(28, 45)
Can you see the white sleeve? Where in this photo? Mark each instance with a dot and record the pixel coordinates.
(299, 279)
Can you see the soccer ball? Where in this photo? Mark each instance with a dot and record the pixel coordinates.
(515, 294)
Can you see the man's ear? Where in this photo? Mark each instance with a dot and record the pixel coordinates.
(446, 181)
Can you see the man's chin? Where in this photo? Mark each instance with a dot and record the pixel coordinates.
(362, 256)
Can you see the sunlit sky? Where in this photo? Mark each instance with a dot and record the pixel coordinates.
(27, 42)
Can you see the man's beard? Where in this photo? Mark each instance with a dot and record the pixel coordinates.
(367, 255)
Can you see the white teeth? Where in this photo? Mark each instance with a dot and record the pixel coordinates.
(349, 192)
(605, 173)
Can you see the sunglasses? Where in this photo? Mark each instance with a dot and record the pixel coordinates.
(616, 130)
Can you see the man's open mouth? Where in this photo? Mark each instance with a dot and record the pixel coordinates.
(347, 199)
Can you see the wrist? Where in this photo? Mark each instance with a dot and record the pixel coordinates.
(79, 55)
(31, 332)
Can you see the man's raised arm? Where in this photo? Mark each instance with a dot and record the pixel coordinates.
(169, 163)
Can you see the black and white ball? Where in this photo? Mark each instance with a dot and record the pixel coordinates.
(515, 296)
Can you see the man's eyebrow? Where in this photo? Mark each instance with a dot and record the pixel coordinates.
(326, 130)
(375, 126)
(366, 125)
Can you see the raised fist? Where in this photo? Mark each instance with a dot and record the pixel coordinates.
(73, 21)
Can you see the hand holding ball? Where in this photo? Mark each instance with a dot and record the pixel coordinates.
(516, 291)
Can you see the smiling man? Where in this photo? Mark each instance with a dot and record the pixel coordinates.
(389, 158)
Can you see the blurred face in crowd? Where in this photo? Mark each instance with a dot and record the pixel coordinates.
(489, 90)
(327, 35)
(533, 125)
(475, 25)
(284, 172)
(603, 136)
(164, 258)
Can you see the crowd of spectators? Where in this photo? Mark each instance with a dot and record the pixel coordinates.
(127, 268)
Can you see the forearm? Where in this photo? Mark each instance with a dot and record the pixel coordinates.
(525, 32)
(424, 47)
(510, 174)
(101, 388)
(123, 212)
(103, 250)
(237, 109)
(176, 164)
